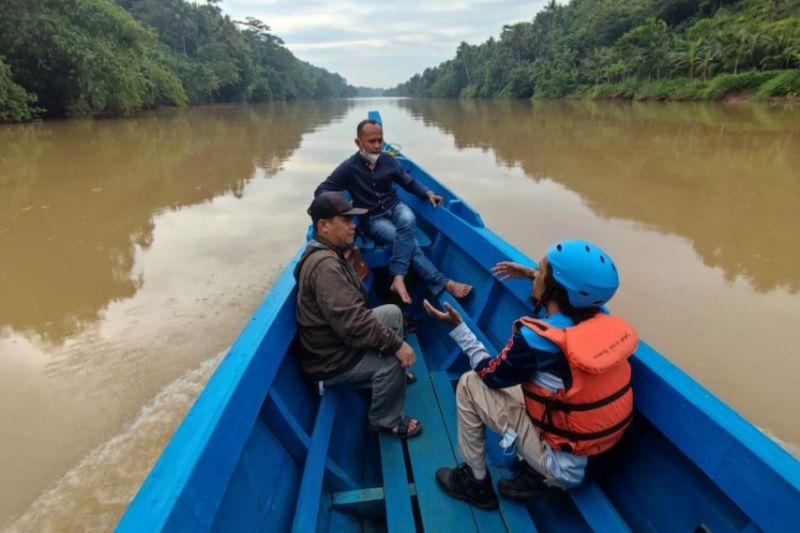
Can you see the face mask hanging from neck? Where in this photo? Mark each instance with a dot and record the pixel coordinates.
(371, 158)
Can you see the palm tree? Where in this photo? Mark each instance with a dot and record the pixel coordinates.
(709, 54)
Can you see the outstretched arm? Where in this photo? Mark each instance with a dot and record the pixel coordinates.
(515, 363)
(469, 343)
(337, 181)
(404, 179)
(508, 269)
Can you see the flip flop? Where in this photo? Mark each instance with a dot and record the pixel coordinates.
(410, 378)
(401, 430)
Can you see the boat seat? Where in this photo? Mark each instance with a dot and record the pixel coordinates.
(432, 400)
(308, 501)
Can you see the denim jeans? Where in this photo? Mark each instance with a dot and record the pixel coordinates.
(397, 227)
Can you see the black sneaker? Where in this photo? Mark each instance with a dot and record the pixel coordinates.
(460, 483)
(526, 484)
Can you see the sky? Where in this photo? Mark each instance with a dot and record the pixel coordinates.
(376, 44)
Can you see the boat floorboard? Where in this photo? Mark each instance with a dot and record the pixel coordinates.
(432, 400)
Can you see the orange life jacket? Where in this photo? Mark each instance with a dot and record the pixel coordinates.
(592, 415)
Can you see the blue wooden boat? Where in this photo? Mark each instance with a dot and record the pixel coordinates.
(262, 451)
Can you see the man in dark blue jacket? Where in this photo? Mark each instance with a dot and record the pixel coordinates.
(369, 176)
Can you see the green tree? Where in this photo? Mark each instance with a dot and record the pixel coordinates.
(83, 57)
(16, 104)
(645, 48)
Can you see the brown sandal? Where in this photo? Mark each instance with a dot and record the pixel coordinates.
(401, 430)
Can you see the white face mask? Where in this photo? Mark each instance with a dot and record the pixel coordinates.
(372, 158)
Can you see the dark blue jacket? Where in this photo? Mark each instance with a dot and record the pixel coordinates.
(525, 354)
(372, 188)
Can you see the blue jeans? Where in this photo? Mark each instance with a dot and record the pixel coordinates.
(397, 226)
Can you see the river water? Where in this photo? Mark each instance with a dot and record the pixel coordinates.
(133, 251)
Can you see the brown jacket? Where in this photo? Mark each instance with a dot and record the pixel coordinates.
(335, 326)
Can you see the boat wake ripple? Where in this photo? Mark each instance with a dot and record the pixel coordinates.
(93, 495)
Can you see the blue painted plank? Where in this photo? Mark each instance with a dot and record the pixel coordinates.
(430, 451)
(354, 497)
(694, 498)
(596, 509)
(307, 510)
(296, 441)
(514, 514)
(758, 475)
(399, 515)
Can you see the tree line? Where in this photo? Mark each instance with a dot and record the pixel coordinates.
(644, 49)
(89, 57)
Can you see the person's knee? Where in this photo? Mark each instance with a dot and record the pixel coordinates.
(467, 382)
(405, 218)
(391, 371)
(390, 315)
(382, 230)
(394, 313)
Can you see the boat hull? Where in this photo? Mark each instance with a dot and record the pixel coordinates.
(261, 450)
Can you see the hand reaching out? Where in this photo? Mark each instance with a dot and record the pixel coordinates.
(450, 315)
(508, 269)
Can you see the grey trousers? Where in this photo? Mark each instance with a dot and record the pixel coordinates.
(388, 378)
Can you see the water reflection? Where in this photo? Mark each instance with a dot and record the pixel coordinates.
(724, 176)
(77, 198)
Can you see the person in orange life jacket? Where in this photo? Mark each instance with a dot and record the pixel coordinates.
(369, 176)
(558, 392)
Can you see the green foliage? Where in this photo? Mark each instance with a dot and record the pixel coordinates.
(16, 104)
(784, 84)
(659, 89)
(83, 57)
(726, 84)
(86, 57)
(645, 49)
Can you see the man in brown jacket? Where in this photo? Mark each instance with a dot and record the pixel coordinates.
(342, 340)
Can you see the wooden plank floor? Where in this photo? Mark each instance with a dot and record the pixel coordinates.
(433, 402)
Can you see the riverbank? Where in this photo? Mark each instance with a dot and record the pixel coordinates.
(97, 58)
(760, 85)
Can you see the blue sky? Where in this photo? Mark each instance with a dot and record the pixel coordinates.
(381, 44)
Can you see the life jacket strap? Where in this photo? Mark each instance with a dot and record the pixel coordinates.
(575, 436)
(557, 405)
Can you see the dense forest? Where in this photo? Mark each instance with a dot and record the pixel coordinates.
(643, 49)
(90, 57)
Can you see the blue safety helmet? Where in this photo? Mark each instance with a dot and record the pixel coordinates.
(585, 271)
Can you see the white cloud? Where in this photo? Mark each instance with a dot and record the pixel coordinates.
(382, 45)
(374, 43)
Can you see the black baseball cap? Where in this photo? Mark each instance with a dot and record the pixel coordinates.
(331, 204)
